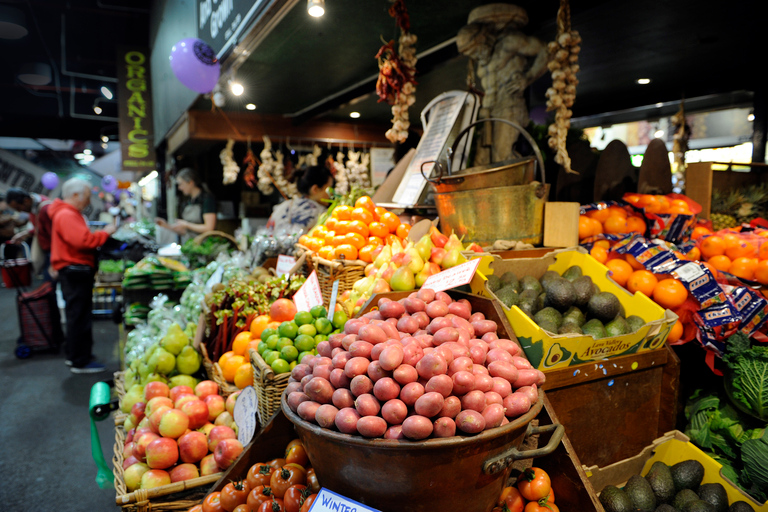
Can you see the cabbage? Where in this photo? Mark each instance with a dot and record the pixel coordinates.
(754, 455)
(748, 379)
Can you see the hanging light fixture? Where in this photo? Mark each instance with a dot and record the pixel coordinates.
(106, 92)
(34, 73)
(316, 8)
(13, 23)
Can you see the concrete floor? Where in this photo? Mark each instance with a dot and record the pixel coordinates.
(45, 441)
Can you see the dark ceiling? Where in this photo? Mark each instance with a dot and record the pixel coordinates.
(324, 68)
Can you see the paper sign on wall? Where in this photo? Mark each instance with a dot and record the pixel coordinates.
(284, 264)
(329, 501)
(309, 295)
(246, 406)
(453, 277)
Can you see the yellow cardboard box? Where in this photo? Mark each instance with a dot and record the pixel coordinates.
(670, 449)
(547, 351)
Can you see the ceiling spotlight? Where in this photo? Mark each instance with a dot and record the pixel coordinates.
(106, 92)
(659, 134)
(316, 8)
(34, 73)
(751, 117)
(12, 23)
(236, 88)
(643, 81)
(354, 115)
(87, 152)
(104, 145)
(104, 139)
(97, 109)
(659, 105)
(250, 106)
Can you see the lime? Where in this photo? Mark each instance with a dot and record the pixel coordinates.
(280, 366)
(266, 333)
(262, 346)
(308, 329)
(272, 341)
(339, 319)
(288, 329)
(302, 354)
(304, 342)
(293, 364)
(289, 353)
(323, 325)
(319, 338)
(271, 357)
(284, 342)
(303, 317)
(319, 311)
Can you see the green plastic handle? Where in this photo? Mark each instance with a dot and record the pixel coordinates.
(100, 396)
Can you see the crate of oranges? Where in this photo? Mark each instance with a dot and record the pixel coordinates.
(670, 217)
(342, 244)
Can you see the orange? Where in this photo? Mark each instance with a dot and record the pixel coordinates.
(359, 227)
(240, 342)
(644, 200)
(762, 253)
(362, 214)
(700, 231)
(365, 202)
(365, 253)
(664, 203)
(642, 281)
(620, 270)
(605, 244)
(253, 344)
(634, 263)
(585, 227)
(633, 199)
(680, 210)
(303, 240)
(390, 220)
(712, 269)
(342, 212)
(712, 246)
(273, 324)
(243, 376)
(617, 211)
(636, 225)
(670, 293)
(342, 227)
(391, 239)
(378, 212)
(616, 224)
(599, 253)
(741, 249)
(731, 239)
(328, 238)
(375, 240)
(678, 203)
(676, 332)
(720, 262)
(326, 252)
(356, 240)
(330, 224)
(741, 267)
(225, 357)
(229, 369)
(761, 272)
(345, 252)
(258, 325)
(338, 240)
(652, 205)
(599, 215)
(403, 230)
(378, 229)
(694, 254)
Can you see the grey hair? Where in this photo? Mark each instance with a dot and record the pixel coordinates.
(74, 186)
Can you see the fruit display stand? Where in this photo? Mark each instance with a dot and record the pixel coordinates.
(269, 386)
(214, 372)
(328, 271)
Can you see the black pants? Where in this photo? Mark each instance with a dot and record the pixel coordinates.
(77, 288)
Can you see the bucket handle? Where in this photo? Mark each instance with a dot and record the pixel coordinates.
(504, 460)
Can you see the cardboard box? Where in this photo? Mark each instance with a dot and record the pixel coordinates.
(548, 351)
(670, 449)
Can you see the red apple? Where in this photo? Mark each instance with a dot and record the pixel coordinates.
(156, 402)
(129, 435)
(216, 406)
(156, 388)
(230, 402)
(155, 478)
(208, 465)
(128, 449)
(205, 388)
(138, 411)
(197, 412)
(130, 461)
(162, 453)
(177, 391)
(227, 450)
(132, 475)
(156, 416)
(143, 423)
(218, 433)
(173, 423)
(206, 429)
(193, 446)
(183, 472)
(129, 423)
(140, 444)
(182, 399)
(140, 430)
(224, 419)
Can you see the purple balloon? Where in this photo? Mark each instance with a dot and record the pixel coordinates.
(108, 183)
(50, 180)
(195, 64)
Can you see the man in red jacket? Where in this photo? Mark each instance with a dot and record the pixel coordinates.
(73, 256)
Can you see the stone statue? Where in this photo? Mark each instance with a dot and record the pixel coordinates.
(506, 61)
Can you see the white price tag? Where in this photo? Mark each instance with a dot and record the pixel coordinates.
(284, 264)
(329, 501)
(453, 277)
(214, 279)
(309, 295)
(246, 408)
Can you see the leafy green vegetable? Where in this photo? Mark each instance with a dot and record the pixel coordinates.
(111, 267)
(749, 374)
(754, 454)
(201, 254)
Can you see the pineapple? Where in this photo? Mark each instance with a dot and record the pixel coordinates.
(754, 202)
(724, 207)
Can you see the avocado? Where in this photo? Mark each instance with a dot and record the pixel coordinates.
(531, 283)
(494, 283)
(548, 277)
(508, 296)
(635, 322)
(594, 328)
(549, 315)
(687, 474)
(698, 506)
(584, 290)
(529, 308)
(622, 313)
(509, 277)
(528, 295)
(572, 273)
(666, 508)
(660, 478)
(561, 294)
(617, 327)
(741, 506)
(541, 301)
(604, 306)
(682, 498)
(548, 325)
(555, 355)
(569, 328)
(639, 491)
(574, 314)
(715, 495)
(614, 499)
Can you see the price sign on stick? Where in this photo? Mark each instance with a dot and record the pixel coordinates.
(453, 277)
(309, 295)
(329, 501)
(246, 407)
(284, 264)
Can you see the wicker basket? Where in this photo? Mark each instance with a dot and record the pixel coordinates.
(269, 387)
(215, 374)
(119, 384)
(346, 272)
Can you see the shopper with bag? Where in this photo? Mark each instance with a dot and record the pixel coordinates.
(73, 256)
(36, 206)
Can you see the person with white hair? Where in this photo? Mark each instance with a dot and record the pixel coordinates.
(73, 257)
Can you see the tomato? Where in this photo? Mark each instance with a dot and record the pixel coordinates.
(196, 508)
(308, 503)
(296, 454)
(534, 484)
(534, 506)
(551, 497)
(234, 494)
(511, 498)
(242, 508)
(212, 503)
(294, 496)
(312, 482)
(285, 477)
(273, 505)
(258, 495)
(259, 474)
(276, 463)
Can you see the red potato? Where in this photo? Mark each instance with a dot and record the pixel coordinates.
(542, 377)
(457, 349)
(436, 309)
(372, 426)
(376, 351)
(412, 352)
(470, 422)
(390, 329)
(307, 410)
(372, 315)
(367, 405)
(438, 323)
(489, 337)
(346, 420)
(305, 380)
(460, 309)
(338, 379)
(429, 404)
(521, 363)
(463, 382)
(323, 371)
(462, 323)
(391, 357)
(504, 370)
(525, 378)
(336, 351)
(300, 371)
(340, 359)
(414, 305)
(445, 353)
(319, 390)
(451, 407)
(460, 364)
(476, 317)
(356, 366)
(408, 324)
(532, 392)
(376, 372)
(422, 318)
(444, 427)
(477, 354)
(291, 387)
(474, 401)
(430, 365)
(394, 432)
(322, 360)
(510, 346)
(483, 327)
(372, 334)
(479, 369)
(417, 427)
(325, 415)
(411, 392)
(426, 295)
(295, 399)
(353, 326)
(442, 384)
(445, 335)
(404, 374)
(394, 411)
(492, 397)
(360, 385)
(343, 398)
(483, 383)
(444, 297)
(501, 386)
(493, 415)
(347, 341)
(516, 405)
(324, 349)
(392, 309)
(464, 337)
(386, 389)
(498, 354)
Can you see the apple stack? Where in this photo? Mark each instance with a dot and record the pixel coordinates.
(181, 433)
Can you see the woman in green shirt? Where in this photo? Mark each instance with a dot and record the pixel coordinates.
(197, 211)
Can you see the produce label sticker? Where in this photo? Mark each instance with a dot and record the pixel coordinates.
(284, 264)
(309, 295)
(453, 277)
(246, 407)
(329, 501)
(214, 279)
